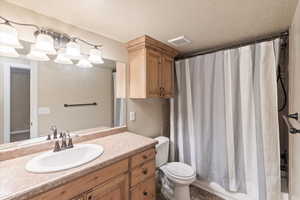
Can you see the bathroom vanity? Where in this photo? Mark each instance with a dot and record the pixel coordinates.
(125, 171)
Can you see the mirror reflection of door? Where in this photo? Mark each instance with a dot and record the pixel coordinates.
(19, 104)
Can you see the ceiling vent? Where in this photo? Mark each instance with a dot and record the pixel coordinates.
(179, 41)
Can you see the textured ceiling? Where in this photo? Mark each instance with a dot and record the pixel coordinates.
(207, 23)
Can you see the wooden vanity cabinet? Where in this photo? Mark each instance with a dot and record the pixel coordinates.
(151, 66)
(130, 179)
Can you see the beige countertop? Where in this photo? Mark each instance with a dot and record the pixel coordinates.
(17, 183)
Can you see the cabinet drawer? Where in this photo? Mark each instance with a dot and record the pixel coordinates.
(142, 157)
(142, 172)
(85, 183)
(144, 191)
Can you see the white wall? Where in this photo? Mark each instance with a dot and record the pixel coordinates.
(294, 103)
(1, 107)
(152, 117)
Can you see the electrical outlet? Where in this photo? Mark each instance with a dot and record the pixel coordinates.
(132, 116)
(44, 111)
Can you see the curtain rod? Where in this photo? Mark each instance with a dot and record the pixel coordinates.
(232, 46)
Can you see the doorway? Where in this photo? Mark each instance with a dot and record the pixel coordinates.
(20, 102)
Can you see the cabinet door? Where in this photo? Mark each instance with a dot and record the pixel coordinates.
(116, 189)
(153, 73)
(137, 74)
(167, 77)
(144, 191)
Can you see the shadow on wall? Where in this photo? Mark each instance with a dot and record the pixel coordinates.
(152, 117)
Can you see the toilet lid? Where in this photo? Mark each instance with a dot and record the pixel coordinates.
(180, 170)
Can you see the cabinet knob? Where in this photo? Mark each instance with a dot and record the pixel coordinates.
(90, 197)
(161, 91)
(145, 193)
(145, 171)
(145, 157)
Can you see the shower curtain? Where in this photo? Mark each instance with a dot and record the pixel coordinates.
(224, 119)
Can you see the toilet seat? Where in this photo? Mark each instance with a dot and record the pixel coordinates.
(179, 172)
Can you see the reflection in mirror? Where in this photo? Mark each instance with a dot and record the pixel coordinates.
(36, 95)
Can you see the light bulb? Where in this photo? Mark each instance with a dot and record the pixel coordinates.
(45, 43)
(96, 56)
(9, 36)
(8, 52)
(37, 55)
(62, 59)
(84, 63)
(73, 51)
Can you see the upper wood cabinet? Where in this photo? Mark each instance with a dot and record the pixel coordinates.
(151, 68)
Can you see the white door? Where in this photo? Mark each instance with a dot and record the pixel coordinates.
(11, 134)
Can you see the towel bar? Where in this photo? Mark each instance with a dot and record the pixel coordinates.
(83, 104)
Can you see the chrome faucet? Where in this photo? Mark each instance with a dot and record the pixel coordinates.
(70, 141)
(64, 144)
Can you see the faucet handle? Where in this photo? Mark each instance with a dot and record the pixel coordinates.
(56, 146)
(70, 141)
(48, 137)
(54, 130)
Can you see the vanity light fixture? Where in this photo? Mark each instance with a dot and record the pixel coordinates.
(8, 52)
(37, 55)
(84, 63)
(96, 56)
(45, 43)
(9, 36)
(48, 42)
(62, 59)
(73, 50)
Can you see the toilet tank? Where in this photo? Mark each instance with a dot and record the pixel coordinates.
(162, 150)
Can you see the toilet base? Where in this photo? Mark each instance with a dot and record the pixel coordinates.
(182, 192)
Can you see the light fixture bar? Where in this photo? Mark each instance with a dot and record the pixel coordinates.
(86, 42)
(51, 32)
(19, 24)
(49, 42)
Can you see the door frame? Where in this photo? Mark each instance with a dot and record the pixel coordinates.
(33, 97)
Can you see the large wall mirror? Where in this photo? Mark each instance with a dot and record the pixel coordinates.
(37, 95)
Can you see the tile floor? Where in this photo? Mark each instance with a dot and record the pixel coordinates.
(197, 194)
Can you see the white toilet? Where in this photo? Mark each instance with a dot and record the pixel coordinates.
(180, 174)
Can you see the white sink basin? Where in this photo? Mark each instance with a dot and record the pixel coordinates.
(65, 159)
